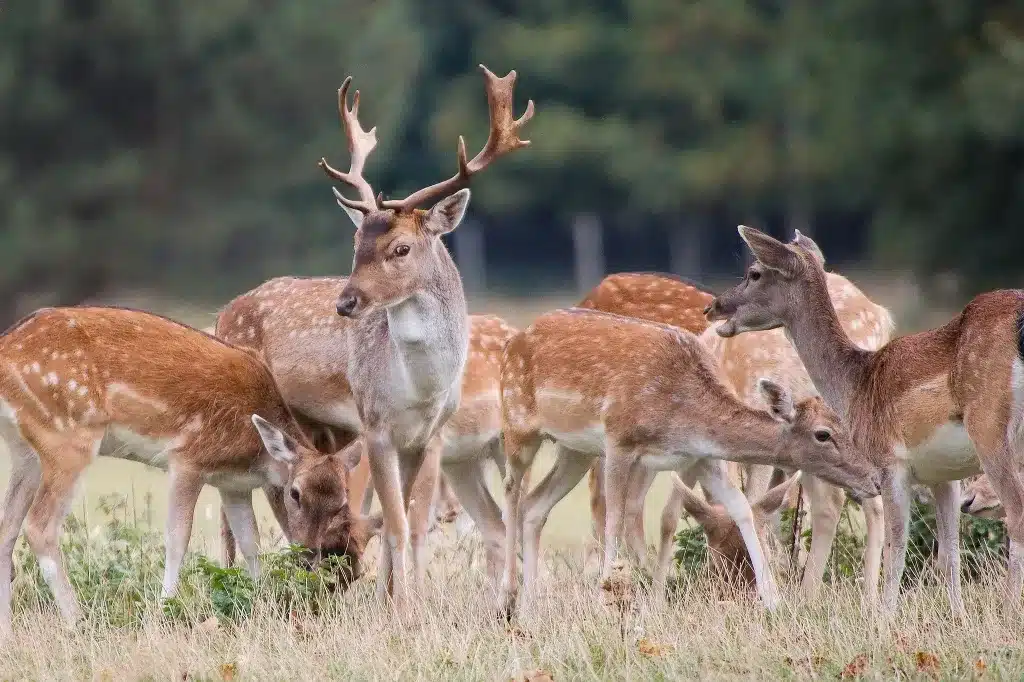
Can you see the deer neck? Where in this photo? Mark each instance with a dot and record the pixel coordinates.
(429, 331)
(833, 362)
(751, 436)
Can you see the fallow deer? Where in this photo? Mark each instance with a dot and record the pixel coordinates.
(405, 346)
(673, 300)
(291, 323)
(926, 407)
(77, 383)
(646, 397)
(980, 499)
(727, 552)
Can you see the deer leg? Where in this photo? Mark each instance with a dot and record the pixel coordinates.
(641, 481)
(874, 522)
(896, 508)
(669, 522)
(184, 493)
(470, 485)
(227, 539)
(21, 489)
(618, 467)
(826, 502)
(419, 488)
(520, 458)
(569, 469)
(242, 521)
(1005, 478)
(387, 482)
(51, 505)
(597, 507)
(947, 524)
(714, 481)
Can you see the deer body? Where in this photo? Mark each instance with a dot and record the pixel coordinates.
(407, 344)
(292, 323)
(967, 374)
(77, 383)
(646, 397)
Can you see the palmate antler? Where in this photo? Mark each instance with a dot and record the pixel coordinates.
(360, 144)
(502, 139)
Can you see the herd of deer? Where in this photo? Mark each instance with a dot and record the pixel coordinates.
(314, 388)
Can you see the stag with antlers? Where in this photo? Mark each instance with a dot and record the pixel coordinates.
(405, 345)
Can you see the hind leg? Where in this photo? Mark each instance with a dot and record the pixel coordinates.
(66, 457)
(947, 525)
(25, 475)
(826, 502)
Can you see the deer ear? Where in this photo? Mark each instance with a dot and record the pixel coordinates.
(700, 510)
(351, 454)
(770, 252)
(773, 499)
(810, 246)
(780, 402)
(354, 215)
(279, 444)
(445, 215)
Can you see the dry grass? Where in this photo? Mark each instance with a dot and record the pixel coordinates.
(453, 633)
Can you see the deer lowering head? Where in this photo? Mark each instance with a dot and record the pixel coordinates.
(980, 499)
(397, 245)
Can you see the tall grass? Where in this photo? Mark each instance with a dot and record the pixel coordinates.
(292, 624)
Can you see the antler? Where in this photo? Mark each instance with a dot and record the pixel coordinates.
(360, 144)
(502, 139)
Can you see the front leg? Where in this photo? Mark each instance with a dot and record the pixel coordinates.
(420, 478)
(387, 482)
(947, 525)
(896, 510)
(237, 507)
(184, 493)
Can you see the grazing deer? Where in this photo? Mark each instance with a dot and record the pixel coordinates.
(76, 383)
(980, 499)
(646, 397)
(292, 324)
(405, 346)
(925, 407)
(672, 300)
(726, 550)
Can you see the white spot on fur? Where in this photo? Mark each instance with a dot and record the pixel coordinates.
(72, 385)
(36, 368)
(51, 379)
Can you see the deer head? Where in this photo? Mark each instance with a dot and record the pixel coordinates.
(727, 552)
(398, 248)
(316, 496)
(814, 439)
(981, 500)
(776, 287)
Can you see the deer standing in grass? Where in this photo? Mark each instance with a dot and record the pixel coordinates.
(77, 383)
(287, 319)
(645, 396)
(404, 348)
(926, 407)
(742, 361)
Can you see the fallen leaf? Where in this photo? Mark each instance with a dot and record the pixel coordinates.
(228, 671)
(539, 675)
(855, 668)
(927, 662)
(211, 624)
(649, 648)
(979, 665)
(296, 623)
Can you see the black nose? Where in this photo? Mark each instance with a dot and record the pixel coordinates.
(966, 504)
(347, 304)
(708, 307)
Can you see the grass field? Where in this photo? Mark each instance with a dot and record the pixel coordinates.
(225, 628)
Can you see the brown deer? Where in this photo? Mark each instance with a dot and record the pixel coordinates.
(646, 397)
(727, 552)
(286, 320)
(405, 346)
(742, 361)
(81, 382)
(980, 499)
(925, 407)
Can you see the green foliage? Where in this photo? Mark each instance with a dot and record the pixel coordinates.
(116, 568)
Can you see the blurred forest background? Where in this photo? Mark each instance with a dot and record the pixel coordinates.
(169, 146)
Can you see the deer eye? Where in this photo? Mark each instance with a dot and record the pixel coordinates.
(822, 436)
(296, 496)
(754, 275)
(401, 250)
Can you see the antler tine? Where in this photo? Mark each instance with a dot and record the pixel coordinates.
(502, 139)
(360, 144)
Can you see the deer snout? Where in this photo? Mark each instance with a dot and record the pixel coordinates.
(965, 506)
(347, 304)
